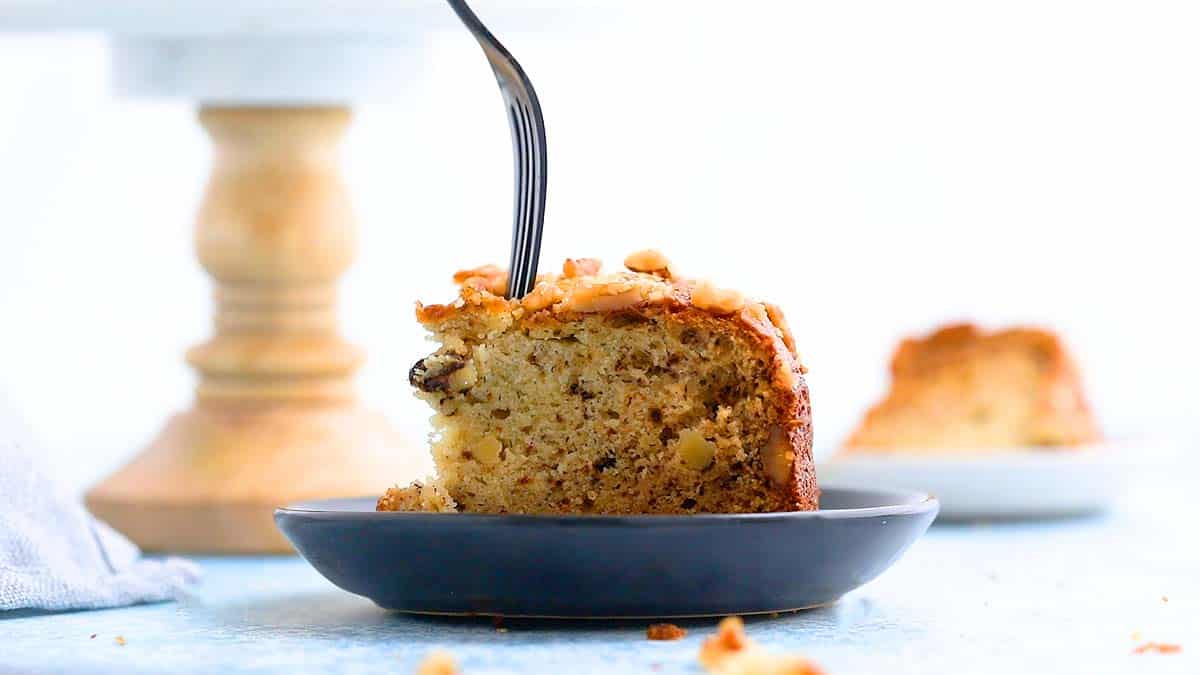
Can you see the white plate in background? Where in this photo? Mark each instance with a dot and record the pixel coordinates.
(1016, 483)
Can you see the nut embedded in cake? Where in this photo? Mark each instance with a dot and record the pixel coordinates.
(624, 393)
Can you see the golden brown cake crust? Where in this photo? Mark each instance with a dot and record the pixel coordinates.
(1013, 387)
(650, 290)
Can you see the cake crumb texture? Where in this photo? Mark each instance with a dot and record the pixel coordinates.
(964, 388)
(419, 496)
(611, 393)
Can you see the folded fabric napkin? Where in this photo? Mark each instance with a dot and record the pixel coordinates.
(54, 555)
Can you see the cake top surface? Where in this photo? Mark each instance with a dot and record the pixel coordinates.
(649, 280)
(955, 343)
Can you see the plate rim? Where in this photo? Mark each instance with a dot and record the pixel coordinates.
(1108, 449)
(908, 502)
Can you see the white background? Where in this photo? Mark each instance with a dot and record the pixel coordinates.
(875, 167)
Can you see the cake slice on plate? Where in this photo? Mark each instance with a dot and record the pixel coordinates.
(963, 388)
(631, 392)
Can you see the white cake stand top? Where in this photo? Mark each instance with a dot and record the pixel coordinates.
(261, 52)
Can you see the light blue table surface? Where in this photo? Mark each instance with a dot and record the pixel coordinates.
(1068, 596)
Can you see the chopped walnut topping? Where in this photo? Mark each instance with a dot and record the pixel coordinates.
(650, 261)
(542, 296)
(775, 314)
(601, 297)
(490, 278)
(665, 631)
(580, 267)
(717, 300)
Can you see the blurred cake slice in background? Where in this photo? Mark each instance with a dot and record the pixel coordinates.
(632, 392)
(962, 388)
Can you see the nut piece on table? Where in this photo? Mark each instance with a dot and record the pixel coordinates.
(730, 652)
(438, 662)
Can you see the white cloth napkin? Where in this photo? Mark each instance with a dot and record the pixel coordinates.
(54, 555)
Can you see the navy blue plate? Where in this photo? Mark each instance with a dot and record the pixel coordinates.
(608, 566)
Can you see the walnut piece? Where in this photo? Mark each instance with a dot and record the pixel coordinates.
(716, 300)
(650, 261)
(779, 456)
(696, 451)
(775, 314)
(601, 297)
(580, 267)
(447, 372)
(730, 652)
(730, 639)
(542, 296)
(488, 450)
(490, 278)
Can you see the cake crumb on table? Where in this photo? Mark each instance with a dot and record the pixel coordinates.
(665, 631)
(120, 640)
(438, 662)
(730, 652)
(1158, 648)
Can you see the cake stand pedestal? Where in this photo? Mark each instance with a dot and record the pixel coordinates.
(275, 419)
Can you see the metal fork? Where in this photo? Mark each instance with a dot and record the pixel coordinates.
(529, 153)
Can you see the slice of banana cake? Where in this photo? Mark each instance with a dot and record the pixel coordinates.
(632, 392)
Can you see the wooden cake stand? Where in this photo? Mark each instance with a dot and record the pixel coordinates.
(275, 418)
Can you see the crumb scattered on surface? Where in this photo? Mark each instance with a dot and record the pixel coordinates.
(120, 640)
(1158, 648)
(730, 652)
(438, 662)
(665, 631)
(1164, 598)
(93, 636)
(419, 496)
